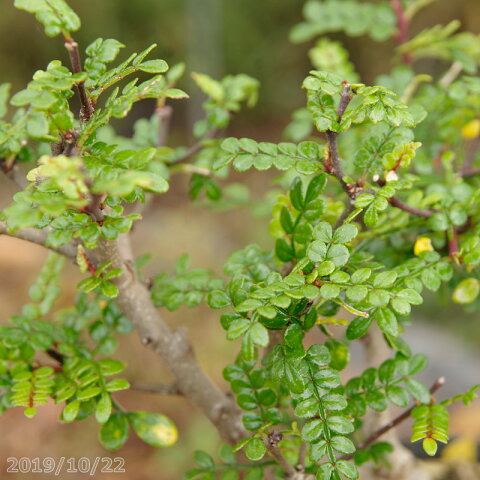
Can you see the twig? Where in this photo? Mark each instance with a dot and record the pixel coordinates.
(272, 446)
(403, 24)
(452, 237)
(302, 453)
(396, 421)
(56, 355)
(452, 73)
(72, 48)
(396, 202)
(194, 149)
(164, 113)
(334, 158)
(161, 388)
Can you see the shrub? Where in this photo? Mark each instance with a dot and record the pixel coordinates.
(379, 205)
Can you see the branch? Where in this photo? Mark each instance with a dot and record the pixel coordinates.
(472, 150)
(272, 446)
(452, 73)
(396, 202)
(194, 149)
(395, 422)
(56, 355)
(14, 173)
(171, 345)
(72, 47)
(334, 157)
(471, 173)
(164, 113)
(39, 237)
(403, 24)
(161, 388)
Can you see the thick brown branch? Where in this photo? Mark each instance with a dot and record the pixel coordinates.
(396, 421)
(14, 173)
(171, 345)
(74, 54)
(160, 388)
(40, 238)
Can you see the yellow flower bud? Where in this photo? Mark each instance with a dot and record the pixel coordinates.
(423, 244)
(471, 130)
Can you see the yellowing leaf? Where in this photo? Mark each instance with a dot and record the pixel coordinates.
(422, 244)
(81, 259)
(466, 291)
(153, 428)
(331, 321)
(471, 130)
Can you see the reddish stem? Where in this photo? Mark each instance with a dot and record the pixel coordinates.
(402, 25)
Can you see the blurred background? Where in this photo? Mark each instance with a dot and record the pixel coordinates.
(216, 37)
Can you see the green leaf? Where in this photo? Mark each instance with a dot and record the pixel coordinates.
(88, 392)
(387, 321)
(338, 254)
(312, 430)
(430, 446)
(117, 384)
(37, 125)
(358, 327)
(255, 449)
(361, 275)
(203, 459)
(55, 15)
(114, 433)
(345, 234)
(104, 408)
(293, 336)
(329, 291)
(397, 395)
(286, 220)
(340, 425)
(153, 428)
(153, 66)
(417, 390)
(348, 469)
(237, 328)
(431, 279)
(259, 335)
(109, 289)
(385, 279)
(218, 299)
(342, 444)
(317, 251)
(357, 293)
(70, 411)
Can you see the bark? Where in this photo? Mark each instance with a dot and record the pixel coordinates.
(171, 345)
